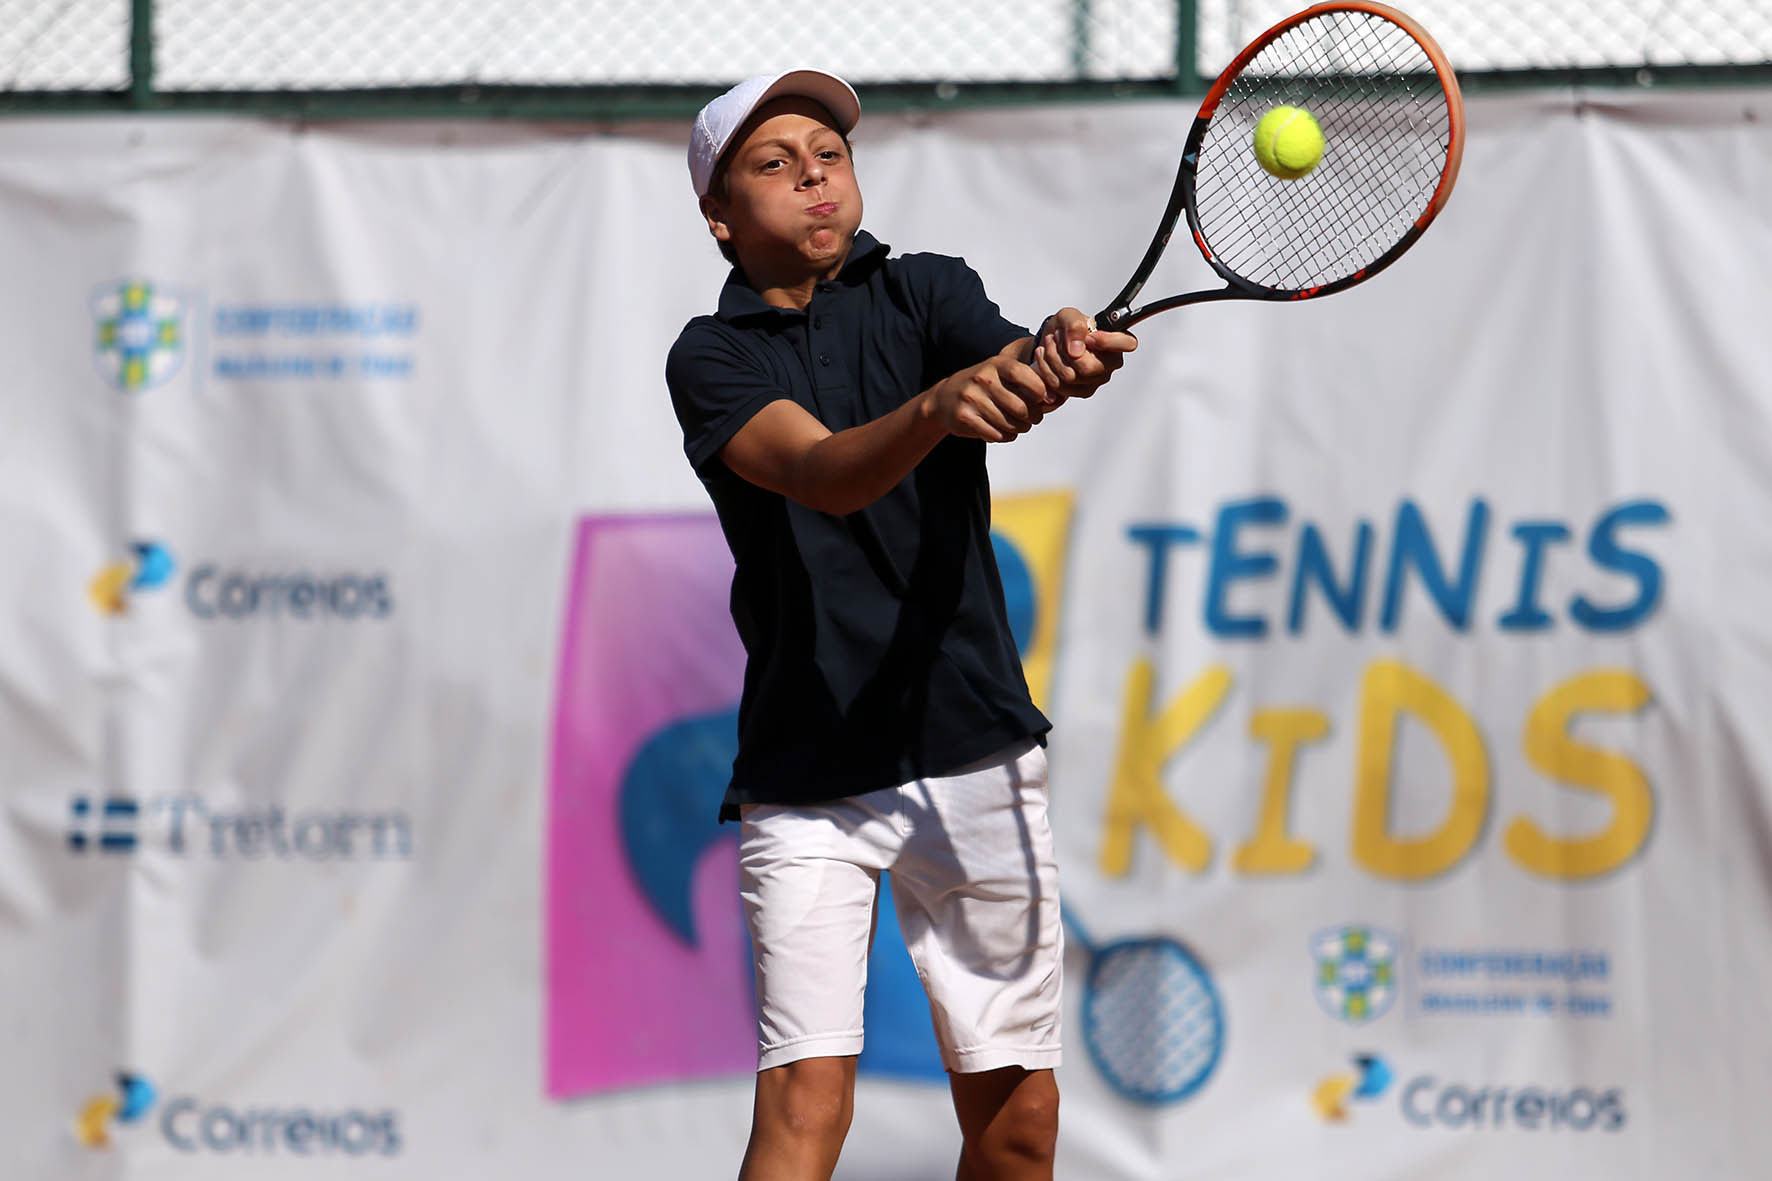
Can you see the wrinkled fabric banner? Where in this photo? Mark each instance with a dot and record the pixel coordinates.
(366, 688)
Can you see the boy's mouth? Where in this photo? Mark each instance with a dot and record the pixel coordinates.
(822, 209)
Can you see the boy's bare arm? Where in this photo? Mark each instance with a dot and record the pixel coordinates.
(785, 449)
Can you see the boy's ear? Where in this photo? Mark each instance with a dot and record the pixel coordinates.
(716, 216)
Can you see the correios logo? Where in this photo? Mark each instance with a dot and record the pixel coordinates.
(140, 334)
(214, 592)
(218, 592)
(132, 1099)
(149, 566)
(192, 1125)
(1366, 1082)
(1431, 1103)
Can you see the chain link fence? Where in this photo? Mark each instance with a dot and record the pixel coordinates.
(617, 58)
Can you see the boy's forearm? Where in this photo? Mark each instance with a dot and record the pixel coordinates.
(849, 470)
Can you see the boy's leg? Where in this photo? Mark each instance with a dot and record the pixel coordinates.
(800, 1118)
(976, 888)
(1009, 1124)
(809, 878)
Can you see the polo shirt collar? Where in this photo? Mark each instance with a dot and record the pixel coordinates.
(738, 298)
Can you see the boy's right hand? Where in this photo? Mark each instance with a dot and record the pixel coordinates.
(995, 400)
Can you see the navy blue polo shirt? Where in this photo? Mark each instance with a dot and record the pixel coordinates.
(878, 645)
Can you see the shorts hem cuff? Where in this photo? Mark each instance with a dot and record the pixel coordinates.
(821, 1045)
(995, 1058)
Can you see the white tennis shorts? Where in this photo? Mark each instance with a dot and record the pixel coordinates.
(976, 890)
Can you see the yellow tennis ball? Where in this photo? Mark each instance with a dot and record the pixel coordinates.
(1288, 142)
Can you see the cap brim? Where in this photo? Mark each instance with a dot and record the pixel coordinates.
(828, 90)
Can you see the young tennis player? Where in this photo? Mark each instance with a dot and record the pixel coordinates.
(837, 407)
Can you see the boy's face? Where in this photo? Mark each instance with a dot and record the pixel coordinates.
(791, 205)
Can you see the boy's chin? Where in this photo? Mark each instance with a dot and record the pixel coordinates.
(826, 244)
(823, 243)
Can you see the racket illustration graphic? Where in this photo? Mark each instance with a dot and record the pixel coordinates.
(1152, 1020)
(1392, 119)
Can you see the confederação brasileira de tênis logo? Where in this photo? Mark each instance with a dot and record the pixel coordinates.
(139, 333)
(1356, 971)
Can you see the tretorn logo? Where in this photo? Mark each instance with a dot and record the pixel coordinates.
(139, 333)
(1369, 1079)
(188, 825)
(149, 567)
(133, 1098)
(117, 818)
(1356, 971)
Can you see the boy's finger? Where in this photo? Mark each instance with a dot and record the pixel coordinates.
(1112, 342)
(1022, 379)
(1063, 367)
(1074, 328)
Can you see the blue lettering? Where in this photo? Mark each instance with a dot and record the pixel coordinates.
(1526, 615)
(194, 593)
(1603, 547)
(1413, 545)
(1419, 1118)
(1159, 538)
(365, 320)
(168, 1125)
(1230, 564)
(1348, 602)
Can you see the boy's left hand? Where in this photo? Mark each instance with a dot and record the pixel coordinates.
(1074, 358)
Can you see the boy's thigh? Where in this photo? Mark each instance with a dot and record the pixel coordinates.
(809, 879)
(976, 889)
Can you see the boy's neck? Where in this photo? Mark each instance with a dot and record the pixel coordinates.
(791, 288)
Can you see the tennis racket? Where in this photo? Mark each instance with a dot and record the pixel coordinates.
(1152, 1021)
(1393, 127)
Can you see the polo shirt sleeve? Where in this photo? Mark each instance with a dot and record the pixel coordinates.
(716, 387)
(965, 325)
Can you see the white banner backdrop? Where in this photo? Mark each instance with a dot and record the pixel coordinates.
(365, 692)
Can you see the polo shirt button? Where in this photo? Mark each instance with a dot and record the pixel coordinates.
(818, 321)
(824, 358)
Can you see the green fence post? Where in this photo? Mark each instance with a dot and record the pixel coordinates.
(1187, 47)
(1079, 40)
(141, 54)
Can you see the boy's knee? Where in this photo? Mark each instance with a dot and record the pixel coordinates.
(813, 1097)
(1029, 1123)
(1024, 1128)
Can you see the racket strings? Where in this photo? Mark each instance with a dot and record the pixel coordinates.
(1388, 127)
(1150, 1020)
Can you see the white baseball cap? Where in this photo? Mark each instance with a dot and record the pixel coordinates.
(720, 120)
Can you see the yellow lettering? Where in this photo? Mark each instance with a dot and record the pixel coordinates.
(1550, 749)
(1136, 798)
(1391, 688)
(1271, 849)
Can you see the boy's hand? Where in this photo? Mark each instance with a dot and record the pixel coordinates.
(995, 400)
(1073, 358)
